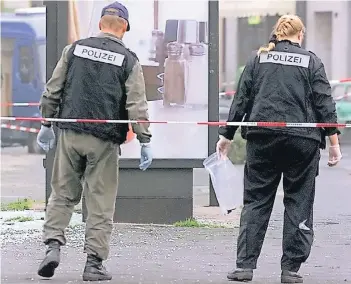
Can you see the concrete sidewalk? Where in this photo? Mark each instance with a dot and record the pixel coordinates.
(166, 254)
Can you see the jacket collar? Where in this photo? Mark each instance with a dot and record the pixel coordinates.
(110, 36)
(289, 42)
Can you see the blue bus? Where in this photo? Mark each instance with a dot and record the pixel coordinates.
(23, 73)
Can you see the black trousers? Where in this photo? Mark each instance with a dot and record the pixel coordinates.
(268, 157)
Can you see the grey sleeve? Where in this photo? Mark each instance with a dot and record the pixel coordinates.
(51, 97)
(136, 104)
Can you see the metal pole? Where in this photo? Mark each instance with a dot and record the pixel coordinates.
(213, 82)
(56, 39)
(301, 11)
(51, 59)
(156, 13)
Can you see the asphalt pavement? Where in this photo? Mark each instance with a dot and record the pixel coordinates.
(166, 254)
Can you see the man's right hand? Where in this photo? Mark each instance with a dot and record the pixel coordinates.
(46, 138)
(145, 156)
(334, 155)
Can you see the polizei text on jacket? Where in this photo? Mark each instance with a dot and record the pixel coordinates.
(99, 55)
(285, 58)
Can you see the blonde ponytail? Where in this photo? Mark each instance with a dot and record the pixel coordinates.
(266, 49)
(286, 26)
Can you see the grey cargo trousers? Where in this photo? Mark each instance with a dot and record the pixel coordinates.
(78, 157)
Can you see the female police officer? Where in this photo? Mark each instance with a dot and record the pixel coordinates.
(282, 82)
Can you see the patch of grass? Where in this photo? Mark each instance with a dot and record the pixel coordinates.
(193, 223)
(20, 219)
(19, 205)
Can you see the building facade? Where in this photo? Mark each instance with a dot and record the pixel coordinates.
(329, 35)
(243, 27)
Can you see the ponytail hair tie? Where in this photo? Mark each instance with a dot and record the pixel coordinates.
(273, 39)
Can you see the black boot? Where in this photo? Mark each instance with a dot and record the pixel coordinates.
(241, 275)
(291, 277)
(51, 260)
(94, 270)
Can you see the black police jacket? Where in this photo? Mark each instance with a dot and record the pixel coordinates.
(288, 84)
(98, 68)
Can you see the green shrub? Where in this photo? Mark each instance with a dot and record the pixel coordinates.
(237, 152)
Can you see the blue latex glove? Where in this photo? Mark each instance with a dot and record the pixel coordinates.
(46, 138)
(145, 156)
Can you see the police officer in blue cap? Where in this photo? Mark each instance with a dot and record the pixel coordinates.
(96, 78)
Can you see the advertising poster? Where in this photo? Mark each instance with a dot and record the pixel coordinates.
(170, 39)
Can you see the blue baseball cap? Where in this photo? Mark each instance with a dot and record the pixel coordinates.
(116, 9)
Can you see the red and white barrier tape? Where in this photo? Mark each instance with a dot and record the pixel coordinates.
(340, 81)
(232, 93)
(19, 128)
(214, 123)
(20, 104)
(229, 93)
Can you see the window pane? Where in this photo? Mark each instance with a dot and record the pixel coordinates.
(26, 64)
(42, 61)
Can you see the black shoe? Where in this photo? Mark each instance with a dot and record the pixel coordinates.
(291, 277)
(94, 270)
(241, 275)
(51, 260)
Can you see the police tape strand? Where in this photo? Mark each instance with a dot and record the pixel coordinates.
(20, 104)
(208, 123)
(19, 128)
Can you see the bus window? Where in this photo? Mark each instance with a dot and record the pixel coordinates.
(26, 64)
